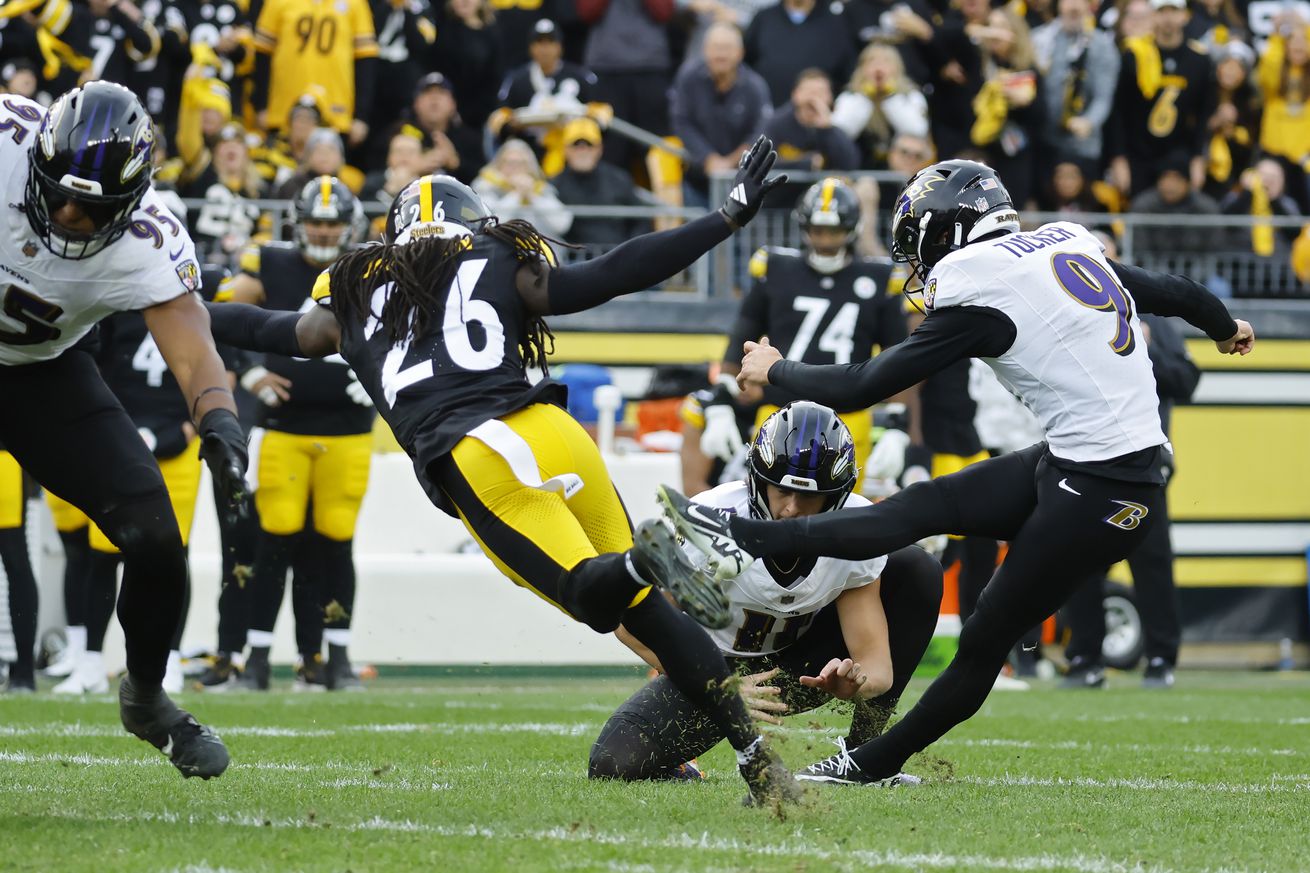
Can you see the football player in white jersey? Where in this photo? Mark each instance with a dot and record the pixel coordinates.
(814, 628)
(1058, 323)
(85, 236)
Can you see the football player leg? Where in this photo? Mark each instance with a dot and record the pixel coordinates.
(237, 538)
(1069, 538)
(281, 500)
(100, 593)
(115, 480)
(340, 480)
(72, 525)
(533, 490)
(182, 478)
(652, 735)
(18, 570)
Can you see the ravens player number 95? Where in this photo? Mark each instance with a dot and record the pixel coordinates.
(441, 321)
(86, 236)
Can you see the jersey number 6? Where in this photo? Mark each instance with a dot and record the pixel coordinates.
(1087, 281)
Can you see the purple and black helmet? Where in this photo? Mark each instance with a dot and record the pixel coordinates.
(802, 447)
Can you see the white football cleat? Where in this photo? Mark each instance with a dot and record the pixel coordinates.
(707, 529)
(88, 677)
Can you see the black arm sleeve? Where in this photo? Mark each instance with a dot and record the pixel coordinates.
(635, 265)
(946, 336)
(255, 329)
(1162, 294)
(751, 323)
(365, 79)
(259, 89)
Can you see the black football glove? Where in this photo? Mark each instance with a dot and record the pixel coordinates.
(752, 184)
(223, 447)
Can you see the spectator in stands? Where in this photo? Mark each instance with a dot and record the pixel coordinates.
(1263, 193)
(1135, 18)
(1080, 68)
(588, 181)
(1235, 124)
(406, 33)
(1173, 194)
(1070, 193)
(227, 219)
(628, 49)
(450, 146)
(803, 133)
(517, 20)
(404, 163)
(1157, 113)
(794, 36)
(468, 52)
(325, 155)
(546, 86)
(513, 186)
(878, 104)
(1214, 22)
(331, 46)
(1284, 77)
(1007, 113)
(129, 36)
(20, 78)
(903, 24)
(908, 155)
(718, 107)
(957, 76)
(704, 14)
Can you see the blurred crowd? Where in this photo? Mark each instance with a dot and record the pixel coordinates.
(550, 106)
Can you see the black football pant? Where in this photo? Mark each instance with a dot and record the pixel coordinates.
(65, 428)
(274, 555)
(237, 535)
(1152, 566)
(1064, 528)
(658, 728)
(23, 599)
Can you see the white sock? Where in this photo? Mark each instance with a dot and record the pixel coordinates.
(91, 665)
(76, 636)
(336, 636)
(258, 639)
(745, 755)
(632, 570)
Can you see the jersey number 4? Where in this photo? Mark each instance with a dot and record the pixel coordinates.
(461, 311)
(1088, 281)
(838, 338)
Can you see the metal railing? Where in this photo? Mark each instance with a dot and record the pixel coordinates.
(1219, 253)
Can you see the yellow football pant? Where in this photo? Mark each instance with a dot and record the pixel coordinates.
(334, 469)
(68, 517)
(860, 424)
(11, 492)
(530, 530)
(182, 478)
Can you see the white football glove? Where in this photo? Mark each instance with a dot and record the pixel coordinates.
(721, 439)
(355, 390)
(887, 460)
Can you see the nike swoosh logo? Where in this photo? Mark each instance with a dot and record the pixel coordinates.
(695, 512)
(173, 256)
(1064, 483)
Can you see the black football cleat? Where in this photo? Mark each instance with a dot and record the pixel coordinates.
(707, 529)
(769, 780)
(194, 749)
(340, 673)
(841, 769)
(1159, 674)
(1083, 674)
(661, 560)
(257, 674)
(220, 675)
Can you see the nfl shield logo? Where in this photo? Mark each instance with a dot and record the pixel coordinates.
(981, 203)
(29, 249)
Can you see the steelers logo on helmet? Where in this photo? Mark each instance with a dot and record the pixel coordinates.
(828, 215)
(437, 206)
(92, 147)
(328, 218)
(946, 207)
(802, 447)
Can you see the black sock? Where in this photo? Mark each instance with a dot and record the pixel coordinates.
(101, 594)
(77, 552)
(22, 600)
(268, 580)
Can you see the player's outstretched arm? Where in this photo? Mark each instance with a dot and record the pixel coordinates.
(946, 336)
(312, 334)
(1164, 294)
(651, 258)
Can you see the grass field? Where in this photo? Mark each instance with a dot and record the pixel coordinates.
(488, 773)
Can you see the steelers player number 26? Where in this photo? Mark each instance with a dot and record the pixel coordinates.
(1087, 281)
(461, 312)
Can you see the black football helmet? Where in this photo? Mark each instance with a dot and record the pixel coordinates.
(435, 206)
(946, 207)
(93, 147)
(326, 200)
(802, 447)
(828, 203)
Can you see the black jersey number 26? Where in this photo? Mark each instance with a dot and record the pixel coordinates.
(35, 315)
(460, 312)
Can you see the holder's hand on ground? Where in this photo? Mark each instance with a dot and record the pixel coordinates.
(761, 699)
(842, 678)
(760, 356)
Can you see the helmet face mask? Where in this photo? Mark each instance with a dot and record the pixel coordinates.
(802, 447)
(435, 206)
(328, 218)
(93, 149)
(945, 207)
(828, 214)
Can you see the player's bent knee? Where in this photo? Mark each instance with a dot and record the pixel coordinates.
(146, 530)
(618, 752)
(597, 592)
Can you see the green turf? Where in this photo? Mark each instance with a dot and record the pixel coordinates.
(486, 774)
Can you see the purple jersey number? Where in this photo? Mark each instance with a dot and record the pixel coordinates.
(1087, 281)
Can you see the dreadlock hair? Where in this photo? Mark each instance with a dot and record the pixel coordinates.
(420, 271)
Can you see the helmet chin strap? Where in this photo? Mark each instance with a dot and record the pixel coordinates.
(828, 264)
